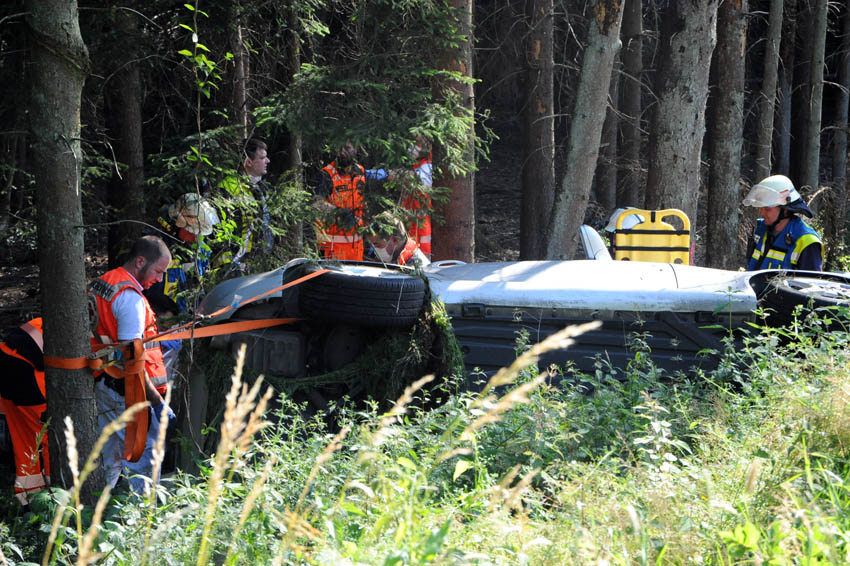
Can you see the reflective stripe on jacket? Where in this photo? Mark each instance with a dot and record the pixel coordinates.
(103, 292)
(785, 249)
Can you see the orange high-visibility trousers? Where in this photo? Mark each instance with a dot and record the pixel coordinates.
(32, 462)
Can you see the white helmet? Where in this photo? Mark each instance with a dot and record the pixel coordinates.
(629, 221)
(776, 190)
(194, 213)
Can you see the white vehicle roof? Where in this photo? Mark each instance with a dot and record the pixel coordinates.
(589, 284)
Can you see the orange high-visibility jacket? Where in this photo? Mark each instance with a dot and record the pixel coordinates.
(420, 229)
(338, 242)
(103, 291)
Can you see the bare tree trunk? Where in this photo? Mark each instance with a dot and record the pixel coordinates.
(631, 184)
(767, 99)
(675, 145)
(455, 239)
(295, 237)
(836, 219)
(59, 67)
(10, 159)
(782, 126)
(586, 128)
(726, 137)
(538, 168)
(126, 194)
(606, 167)
(240, 72)
(811, 166)
(801, 91)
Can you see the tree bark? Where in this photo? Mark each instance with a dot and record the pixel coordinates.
(801, 91)
(126, 195)
(675, 145)
(59, 68)
(538, 168)
(836, 219)
(455, 238)
(811, 167)
(767, 98)
(631, 191)
(605, 185)
(239, 103)
(727, 137)
(586, 128)
(295, 237)
(782, 125)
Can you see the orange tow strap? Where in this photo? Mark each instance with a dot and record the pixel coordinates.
(133, 358)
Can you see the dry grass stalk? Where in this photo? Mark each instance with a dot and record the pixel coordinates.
(243, 418)
(81, 476)
(256, 489)
(158, 455)
(85, 554)
(560, 340)
(399, 408)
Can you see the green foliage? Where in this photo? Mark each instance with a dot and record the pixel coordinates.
(376, 80)
(540, 467)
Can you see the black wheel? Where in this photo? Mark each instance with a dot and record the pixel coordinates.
(360, 294)
(784, 292)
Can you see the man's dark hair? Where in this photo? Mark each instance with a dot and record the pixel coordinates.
(252, 145)
(149, 247)
(160, 303)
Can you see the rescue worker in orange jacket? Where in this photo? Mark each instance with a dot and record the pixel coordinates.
(22, 400)
(121, 312)
(418, 201)
(391, 243)
(415, 198)
(339, 192)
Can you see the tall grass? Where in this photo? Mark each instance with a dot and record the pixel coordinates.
(744, 465)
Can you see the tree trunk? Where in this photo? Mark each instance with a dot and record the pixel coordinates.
(787, 52)
(605, 185)
(801, 91)
(631, 192)
(835, 219)
(811, 167)
(455, 238)
(586, 128)
(727, 137)
(675, 144)
(126, 194)
(10, 166)
(767, 99)
(295, 236)
(240, 72)
(59, 68)
(538, 169)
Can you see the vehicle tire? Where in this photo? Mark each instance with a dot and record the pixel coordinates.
(360, 294)
(785, 291)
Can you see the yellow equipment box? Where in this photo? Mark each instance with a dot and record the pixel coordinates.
(653, 239)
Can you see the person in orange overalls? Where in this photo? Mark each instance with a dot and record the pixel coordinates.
(339, 191)
(22, 398)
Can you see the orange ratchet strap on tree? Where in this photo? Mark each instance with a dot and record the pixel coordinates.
(126, 360)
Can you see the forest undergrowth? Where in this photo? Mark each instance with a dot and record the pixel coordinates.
(743, 465)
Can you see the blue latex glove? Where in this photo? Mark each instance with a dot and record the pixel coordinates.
(171, 428)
